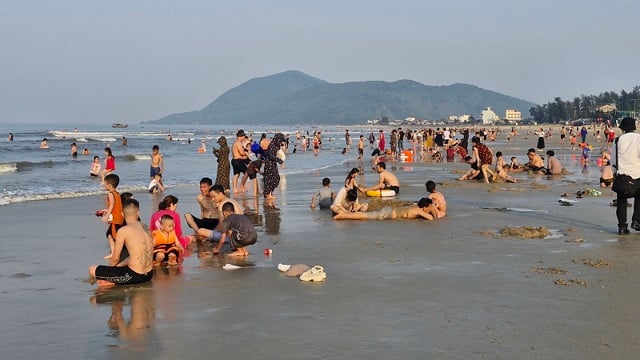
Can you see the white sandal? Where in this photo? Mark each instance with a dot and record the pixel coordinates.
(316, 273)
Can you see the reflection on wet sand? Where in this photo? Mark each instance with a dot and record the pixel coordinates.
(207, 259)
(140, 299)
(272, 218)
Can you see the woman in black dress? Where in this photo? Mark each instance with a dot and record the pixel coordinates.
(271, 175)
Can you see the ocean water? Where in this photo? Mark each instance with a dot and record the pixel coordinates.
(29, 173)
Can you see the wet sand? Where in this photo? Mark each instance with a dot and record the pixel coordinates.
(447, 289)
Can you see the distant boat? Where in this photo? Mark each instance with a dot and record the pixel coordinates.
(119, 125)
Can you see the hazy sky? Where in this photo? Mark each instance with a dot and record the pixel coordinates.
(134, 60)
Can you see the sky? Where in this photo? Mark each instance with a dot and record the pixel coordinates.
(78, 61)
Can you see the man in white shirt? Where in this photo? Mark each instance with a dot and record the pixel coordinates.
(625, 158)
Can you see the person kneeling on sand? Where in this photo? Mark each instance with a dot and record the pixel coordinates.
(346, 201)
(424, 209)
(237, 229)
(137, 268)
(474, 172)
(438, 199)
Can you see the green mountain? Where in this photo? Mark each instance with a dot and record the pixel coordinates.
(293, 97)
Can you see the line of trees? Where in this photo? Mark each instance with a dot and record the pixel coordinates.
(586, 107)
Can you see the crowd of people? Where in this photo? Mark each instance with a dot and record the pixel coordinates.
(136, 248)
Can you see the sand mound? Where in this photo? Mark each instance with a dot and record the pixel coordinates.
(377, 204)
(525, 232)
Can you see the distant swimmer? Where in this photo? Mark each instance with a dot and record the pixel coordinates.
(95, 167)
(10, 137)
(43, 144)
(85, 151)
(124, 141)
(74, 151)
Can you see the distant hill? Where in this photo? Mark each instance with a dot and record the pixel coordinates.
(293, 97)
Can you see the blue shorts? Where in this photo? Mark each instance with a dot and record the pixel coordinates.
(153, 171)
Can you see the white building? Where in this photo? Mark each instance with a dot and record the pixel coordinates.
(513, 115)
(489, 117)
(459, 118)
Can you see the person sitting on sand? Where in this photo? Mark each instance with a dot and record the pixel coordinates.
(606, 178)
(137, 268)
(424, 209)
(209, 213)
(535, 164)
(386, 180)
(237, 229)
(437, 198)
(474, 172)
(514, 165)
(324, 196)
(347, 201)
(553, 164)
(166, 246)
(501, 169)
(217, 194)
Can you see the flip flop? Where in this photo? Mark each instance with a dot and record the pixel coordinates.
(315, 274)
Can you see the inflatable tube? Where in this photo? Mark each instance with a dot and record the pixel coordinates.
(381, 193)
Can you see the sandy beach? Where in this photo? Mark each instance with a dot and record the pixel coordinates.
(453, 288)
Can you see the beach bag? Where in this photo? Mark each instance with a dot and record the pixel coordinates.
(625, 186)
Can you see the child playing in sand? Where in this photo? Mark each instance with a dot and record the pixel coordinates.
(515, 166)
(113, 212)
(437, 198)
(237, 229)
(95, 167)
(501, 168)
(324, 196)
(166, 246)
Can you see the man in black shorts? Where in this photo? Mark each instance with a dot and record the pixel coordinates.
(138, 267)
(240, 159)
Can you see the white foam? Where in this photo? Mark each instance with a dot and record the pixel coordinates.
(8, 167)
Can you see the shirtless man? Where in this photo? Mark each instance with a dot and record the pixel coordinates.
(264, 142)
(217, 194)
(240, 159)
(208, 209)
(553, 164)
(386, 179)
(157, 164)
(535, 163)
(137, 268)
(437, 198)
